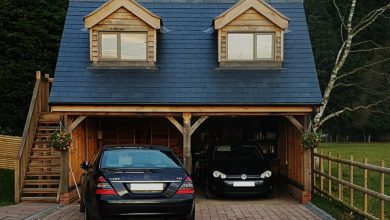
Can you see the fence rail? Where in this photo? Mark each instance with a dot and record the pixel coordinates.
(321, 175)
(9, 148)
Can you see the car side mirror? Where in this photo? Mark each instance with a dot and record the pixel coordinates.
(84, 165)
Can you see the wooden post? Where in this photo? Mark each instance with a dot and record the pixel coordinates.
(351, 181)
(365, 185)
(382, 206)
(330, 174)
(187, 158)
(307, 163)
(322, 171)
(17, 181)
(340, 177)
(64, 177)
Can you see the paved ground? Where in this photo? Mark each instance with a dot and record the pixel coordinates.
(22, 210)
(281, 207)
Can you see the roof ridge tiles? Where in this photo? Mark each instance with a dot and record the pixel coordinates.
(195, 1)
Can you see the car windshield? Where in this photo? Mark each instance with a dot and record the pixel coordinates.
(243, 153)
(138, 158)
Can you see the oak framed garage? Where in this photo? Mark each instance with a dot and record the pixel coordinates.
(132, 125)
(186, 85)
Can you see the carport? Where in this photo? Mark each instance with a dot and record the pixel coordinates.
(186, 130)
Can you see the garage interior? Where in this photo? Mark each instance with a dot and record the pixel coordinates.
(276, 136)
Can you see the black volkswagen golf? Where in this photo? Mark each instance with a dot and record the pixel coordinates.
(236, 170)
(136, 181)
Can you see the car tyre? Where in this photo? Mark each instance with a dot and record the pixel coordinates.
(87, 215)
(209, 194)
(82, 205)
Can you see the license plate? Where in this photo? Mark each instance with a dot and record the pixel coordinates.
(243, 184)
(146, 187)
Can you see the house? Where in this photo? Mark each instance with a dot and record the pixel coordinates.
(179, 73)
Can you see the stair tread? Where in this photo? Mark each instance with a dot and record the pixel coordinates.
(39, 190)
(38, 199)
(43, 173)
(36, 181)
(47, 127)
(43, 165)
(45, 157)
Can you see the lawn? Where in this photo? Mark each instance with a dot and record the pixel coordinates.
(374, 153)
(6, 187)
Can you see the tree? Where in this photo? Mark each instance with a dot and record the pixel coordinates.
(339, 77)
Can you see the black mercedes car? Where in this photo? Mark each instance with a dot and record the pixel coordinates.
(136, 181)
(235, 170)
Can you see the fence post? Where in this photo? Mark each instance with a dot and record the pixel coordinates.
(365, 185)
(322, 171)
(351, 181)
(382, 207)
(330, 174)
(340, 177)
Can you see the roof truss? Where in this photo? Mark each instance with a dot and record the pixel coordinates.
(262, 7)
(113, 5)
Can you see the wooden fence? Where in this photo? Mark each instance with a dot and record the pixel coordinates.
(9, 148)
(350, 184)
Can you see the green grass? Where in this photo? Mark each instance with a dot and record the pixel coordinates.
(375, 153)
(6, 187)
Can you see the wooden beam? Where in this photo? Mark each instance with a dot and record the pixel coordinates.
(175, 122)
(295, 122)
(187, 158)
(111, 6)
(179, 109)
(198, 123)
(260, 6)
(76, 122)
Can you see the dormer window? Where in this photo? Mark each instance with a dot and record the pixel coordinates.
(251, 34)
(250, 46)
(123, 46)
(123, 33)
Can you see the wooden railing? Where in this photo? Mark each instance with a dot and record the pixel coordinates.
(38, 104)
(345, 183)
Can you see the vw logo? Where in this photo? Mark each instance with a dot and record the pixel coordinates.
(146, 177)
(243, 177)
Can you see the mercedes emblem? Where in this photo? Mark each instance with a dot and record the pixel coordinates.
(146, 177)
(243, 176)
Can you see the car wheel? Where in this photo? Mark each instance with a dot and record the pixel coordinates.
(87, 215)
(272, 194)
(209, 194)
(82, 206)
(191, 216)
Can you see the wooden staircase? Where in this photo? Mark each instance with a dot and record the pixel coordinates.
(37, 169)
(42, 178)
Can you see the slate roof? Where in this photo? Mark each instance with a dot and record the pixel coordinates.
(187, 63)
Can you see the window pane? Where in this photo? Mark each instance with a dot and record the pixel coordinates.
(240, 46)
(264, 48)
(133, 46)
(109, 46)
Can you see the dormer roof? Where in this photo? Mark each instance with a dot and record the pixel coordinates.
(262, 7)
(111, 6)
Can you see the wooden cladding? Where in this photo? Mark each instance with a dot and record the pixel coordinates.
(251, 21)
(9, 149)
(122, 21)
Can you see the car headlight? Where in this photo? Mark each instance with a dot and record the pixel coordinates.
(266, 174)
(217, 174)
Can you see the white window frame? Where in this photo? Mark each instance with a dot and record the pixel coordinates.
(119, 45)
(254, 46)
